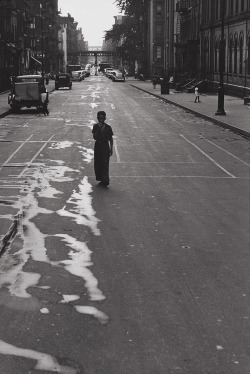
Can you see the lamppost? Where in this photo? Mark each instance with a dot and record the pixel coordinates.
(220, 110)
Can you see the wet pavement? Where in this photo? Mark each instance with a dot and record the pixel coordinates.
(148, 275)
(236, 119)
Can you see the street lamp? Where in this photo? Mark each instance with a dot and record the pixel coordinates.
(220, 110)
(42, 33)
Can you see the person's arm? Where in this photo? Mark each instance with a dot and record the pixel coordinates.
(96, 132)
(111, 146)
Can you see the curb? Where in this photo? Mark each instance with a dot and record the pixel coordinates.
(5, 114)
(201, 115)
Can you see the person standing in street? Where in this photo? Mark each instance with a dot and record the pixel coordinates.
(197, 95)
(103, 149)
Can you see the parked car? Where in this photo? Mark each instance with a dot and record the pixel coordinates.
(107, 71)
(88, 69)
(117, 76)
(84, 73)
(27, 91)
(63, 80)
(77, 75)
(110, 73)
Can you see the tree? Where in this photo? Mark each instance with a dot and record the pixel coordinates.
(131, 35)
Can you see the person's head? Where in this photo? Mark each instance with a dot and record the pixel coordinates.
(101, 116)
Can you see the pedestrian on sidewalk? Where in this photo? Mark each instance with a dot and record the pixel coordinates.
(154, 80)
(197, 95)
(103, 149)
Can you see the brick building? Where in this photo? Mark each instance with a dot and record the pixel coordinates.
(161, 35)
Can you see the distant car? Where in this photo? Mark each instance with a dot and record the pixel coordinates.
(77, 76)
(110, 73)
(117, 76)
(27, 91)
(63, 80)
(107, 71)
(86, 72)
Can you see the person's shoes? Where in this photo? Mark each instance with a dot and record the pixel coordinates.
(104, 183)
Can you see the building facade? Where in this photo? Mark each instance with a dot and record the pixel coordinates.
(184, 40)
(235, 15)
(161, 35)
(188, 42)
(31, 39)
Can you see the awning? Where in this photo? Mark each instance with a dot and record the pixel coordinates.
(38, 62)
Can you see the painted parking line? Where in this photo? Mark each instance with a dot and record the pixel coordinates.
(229, 153)
(206, 155)
(33, 158)
(13, 154)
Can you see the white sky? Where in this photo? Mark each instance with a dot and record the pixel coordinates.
(93, 16)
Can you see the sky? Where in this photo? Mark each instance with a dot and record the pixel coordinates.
(93, 16)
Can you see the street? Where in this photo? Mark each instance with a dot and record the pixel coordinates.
(147, 276)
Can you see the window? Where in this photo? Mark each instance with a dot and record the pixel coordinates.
(14, 27)
(241, 55)
(217, 5)
(248, 56)
(159, 30)
(206, 11)
(242, 7)
(236, 6)
(235, 55)
(158, 10)
(206, 54)
(232, 7)
(230, 57)
(216, 50)
(158, 52)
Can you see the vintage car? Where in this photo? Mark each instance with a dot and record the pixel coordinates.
(63, 80)
(117, 76)
(77, 75)
(27, 91)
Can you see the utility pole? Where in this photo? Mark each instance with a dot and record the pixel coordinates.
(220, 110)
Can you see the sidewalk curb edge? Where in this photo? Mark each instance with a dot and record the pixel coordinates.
(201, 115)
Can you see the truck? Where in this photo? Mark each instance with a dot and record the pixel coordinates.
(104, 65)
(71, 68)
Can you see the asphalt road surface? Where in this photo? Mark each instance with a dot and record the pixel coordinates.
(148, 276)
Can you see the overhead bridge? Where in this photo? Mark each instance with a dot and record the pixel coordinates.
(93, 53)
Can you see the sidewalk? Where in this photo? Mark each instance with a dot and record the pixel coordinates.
(4, 106)
(237, 116)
